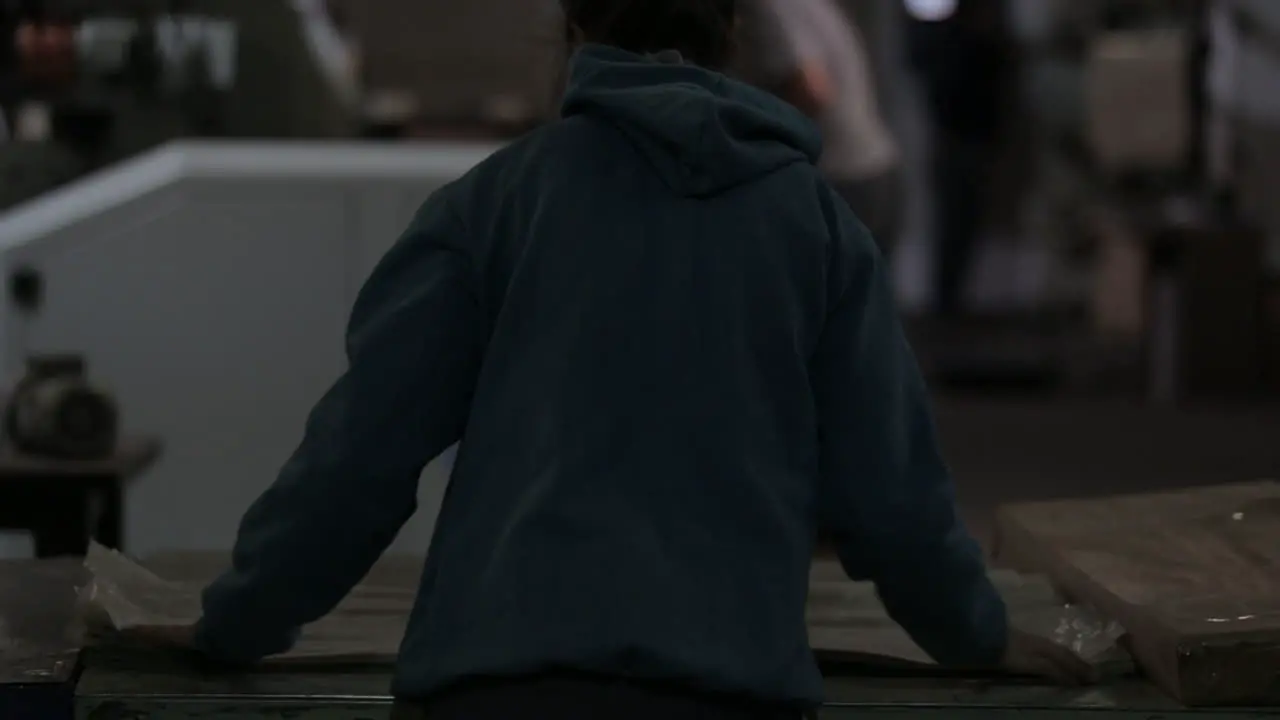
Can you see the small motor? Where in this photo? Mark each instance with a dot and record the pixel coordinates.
(55, 412)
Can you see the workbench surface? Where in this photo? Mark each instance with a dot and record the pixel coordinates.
(37, 601)
(114, 691)
(37, 651)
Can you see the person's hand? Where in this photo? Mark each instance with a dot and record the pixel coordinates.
(1028, 654)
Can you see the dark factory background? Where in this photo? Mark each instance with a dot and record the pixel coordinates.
(1116, 326)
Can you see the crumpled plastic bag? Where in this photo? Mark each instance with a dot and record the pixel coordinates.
(847, 620)
(126, 606)
(123, 596)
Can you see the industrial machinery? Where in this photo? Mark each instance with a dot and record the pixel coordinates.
(209, 284)
(1147, 253)
(1195, 261)
(84, 85)
(55, 412)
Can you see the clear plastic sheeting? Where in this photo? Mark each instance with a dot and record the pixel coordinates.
(1086, 632)
(847, 620)
(123, 595)
(123, 600)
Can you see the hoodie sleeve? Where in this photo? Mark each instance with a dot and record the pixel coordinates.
(414, 343)
(886, 496)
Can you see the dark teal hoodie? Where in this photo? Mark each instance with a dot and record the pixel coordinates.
(671, 354)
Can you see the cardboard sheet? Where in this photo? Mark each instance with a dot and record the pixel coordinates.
(1193, 575)
(846, 619)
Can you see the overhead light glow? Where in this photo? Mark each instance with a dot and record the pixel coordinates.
(932, 10)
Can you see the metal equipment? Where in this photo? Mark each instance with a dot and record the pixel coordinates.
(86, 89)
(129, 76)
(55, 412)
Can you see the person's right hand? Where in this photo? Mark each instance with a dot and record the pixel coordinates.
(1028, 654)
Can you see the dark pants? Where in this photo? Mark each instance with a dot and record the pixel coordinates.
(581, 697)
(960, 167)
(879, 203)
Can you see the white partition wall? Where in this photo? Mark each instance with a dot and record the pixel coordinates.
(208, 284)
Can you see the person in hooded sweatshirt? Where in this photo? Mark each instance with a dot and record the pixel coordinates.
(670, 353)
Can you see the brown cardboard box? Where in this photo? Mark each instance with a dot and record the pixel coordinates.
(1138, 109)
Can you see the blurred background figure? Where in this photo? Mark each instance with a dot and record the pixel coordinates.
(962, 58)
(811, 54)
(334, 49)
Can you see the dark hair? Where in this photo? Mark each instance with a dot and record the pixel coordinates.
(700, 30)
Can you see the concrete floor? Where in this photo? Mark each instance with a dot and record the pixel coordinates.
(1011, 450)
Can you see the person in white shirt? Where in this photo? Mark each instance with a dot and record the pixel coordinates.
(335, 52)
(810, 53)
